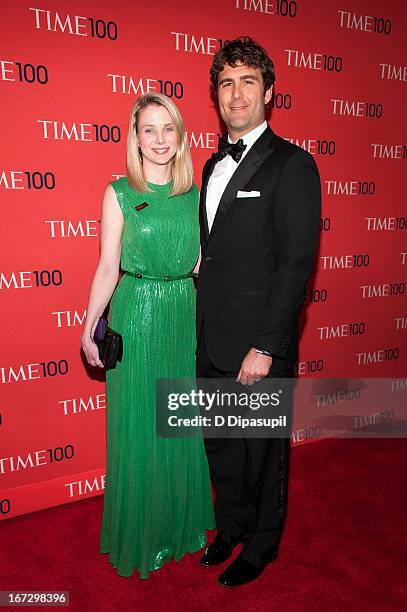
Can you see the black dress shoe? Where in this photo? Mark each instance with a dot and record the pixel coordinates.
(217, 552)
(241, 571)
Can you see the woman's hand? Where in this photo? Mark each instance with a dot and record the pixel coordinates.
(91, 351)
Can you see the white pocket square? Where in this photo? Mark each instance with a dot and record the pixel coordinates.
(248, 194)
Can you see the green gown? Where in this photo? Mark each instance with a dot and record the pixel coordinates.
(157, 501)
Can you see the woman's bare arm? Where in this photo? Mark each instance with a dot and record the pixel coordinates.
(107, 271)
(198, 263)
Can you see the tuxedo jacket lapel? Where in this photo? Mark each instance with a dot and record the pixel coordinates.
(205, 179)
(258, 153)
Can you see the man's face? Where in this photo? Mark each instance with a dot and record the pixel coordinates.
(241, 98)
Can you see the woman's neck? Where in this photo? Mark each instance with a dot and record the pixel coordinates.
(154, 173)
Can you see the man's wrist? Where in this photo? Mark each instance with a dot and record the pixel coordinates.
(263, 352)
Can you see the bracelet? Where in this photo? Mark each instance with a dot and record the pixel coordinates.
(262, 352)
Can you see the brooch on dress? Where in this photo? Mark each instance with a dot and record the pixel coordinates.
(141, 206)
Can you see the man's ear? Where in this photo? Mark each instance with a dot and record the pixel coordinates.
(268, 94)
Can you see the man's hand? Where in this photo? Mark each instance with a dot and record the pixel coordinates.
(254, 367)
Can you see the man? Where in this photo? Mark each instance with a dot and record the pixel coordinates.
(259, 217)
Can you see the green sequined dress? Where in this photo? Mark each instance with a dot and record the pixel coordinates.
(157, 502)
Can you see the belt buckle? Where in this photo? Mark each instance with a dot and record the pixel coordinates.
(138, 275)
(166, 278)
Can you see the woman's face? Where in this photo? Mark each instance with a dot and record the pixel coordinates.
(157, 135)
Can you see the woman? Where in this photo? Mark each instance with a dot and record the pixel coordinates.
(157, 501)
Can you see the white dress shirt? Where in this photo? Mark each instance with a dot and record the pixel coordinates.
(223, 172)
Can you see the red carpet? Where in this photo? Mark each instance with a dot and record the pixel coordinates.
(343, 549)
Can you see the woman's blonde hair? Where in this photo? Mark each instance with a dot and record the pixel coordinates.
(182, 173)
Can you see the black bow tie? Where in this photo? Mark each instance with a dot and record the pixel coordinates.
(228, 148)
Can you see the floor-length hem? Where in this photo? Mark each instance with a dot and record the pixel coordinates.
(145, 574)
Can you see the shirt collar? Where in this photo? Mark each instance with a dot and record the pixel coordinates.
(250, 138)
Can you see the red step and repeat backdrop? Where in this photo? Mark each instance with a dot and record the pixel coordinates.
(69, 73)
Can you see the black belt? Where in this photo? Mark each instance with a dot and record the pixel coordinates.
(162, 278)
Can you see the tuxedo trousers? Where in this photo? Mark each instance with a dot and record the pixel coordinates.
(250, 478)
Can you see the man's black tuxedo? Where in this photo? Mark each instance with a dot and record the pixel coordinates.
(259, 254)
(251, 287)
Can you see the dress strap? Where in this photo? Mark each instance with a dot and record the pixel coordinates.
(162, 278)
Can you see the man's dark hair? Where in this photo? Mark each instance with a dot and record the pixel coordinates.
(246, 51)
